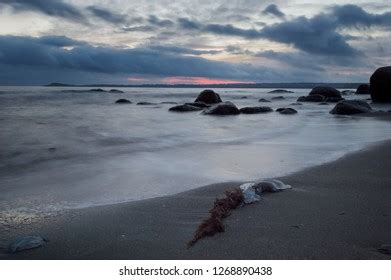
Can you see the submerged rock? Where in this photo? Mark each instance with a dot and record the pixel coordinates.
(287, 111)
(278, 98)
(184, 108)
(243, 97)
(146, 103)
(209, 97)
(311, 98)
(264, 100)
(26, 243)
(255, 110)
(169, 102)
(225, 108)
(380, 85)
(296, 104)
(325, 91)
(280, 91)
(123, 101)
(97, 90)
(363, 89)
(350, 107)
(116, 91)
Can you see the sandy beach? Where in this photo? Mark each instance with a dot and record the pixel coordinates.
(339, 210)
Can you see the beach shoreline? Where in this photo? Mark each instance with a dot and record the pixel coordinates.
(338, 210)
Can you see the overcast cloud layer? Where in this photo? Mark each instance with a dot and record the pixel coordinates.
(153, 41)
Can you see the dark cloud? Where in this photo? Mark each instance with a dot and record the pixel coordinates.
(58, 41)
(56, 8)
(107, 15)
(273, 9)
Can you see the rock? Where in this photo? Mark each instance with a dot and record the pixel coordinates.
(146, 103)
(116, 91)
(287, 111)
(311, 98)
(323, 103)
(123, 101)
(296, 104)
(350, 107)
(169, 102)
(363, 89)
(209, 97)
(184, 108)
(280, 91)
(385, 249)
(263, 100)
(225, 108)
(26, 243)
(97, 90)
(325, 91)
(347, 92)
(52, 149)
(278, 98)
(198, 104)
(256, 110)
(333, 99)
(380, 85)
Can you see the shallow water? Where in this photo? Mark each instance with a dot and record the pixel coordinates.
(76, 149)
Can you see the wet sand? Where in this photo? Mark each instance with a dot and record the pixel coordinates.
(339, 210)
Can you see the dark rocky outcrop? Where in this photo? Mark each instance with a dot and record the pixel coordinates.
(287, 111)
(280, 91)
(325, 91)
(380, 85)
(225, 108)
(256, 110)
(363, 89)
(184, 108)
(198, 104)
(123, 101)
(350, 107)
(209, 97)
(116, 91)
(311, 98)
(263, 100)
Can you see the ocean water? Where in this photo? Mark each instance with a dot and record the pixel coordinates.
(61, 150)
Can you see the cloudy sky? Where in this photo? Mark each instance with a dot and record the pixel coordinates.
(192, 41)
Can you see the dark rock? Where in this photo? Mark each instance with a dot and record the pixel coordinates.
(198, 104)
(278, 98)
(280, 91)
(363, 89)
(296, 104)
(52, 149)
(97, 90)
(123, 101)
(169, 102)
(350, 107)
(116, 91)
(256, 110)
(146, 103)
(385, 249)
(287, 111)
(323, 103)
(280, 109)
(263, 100)
(225, 108)
(333, 99)
(243, 97)
(325, 91)
(311, 98)
(184, 108)
(380, 85)
(209, 97)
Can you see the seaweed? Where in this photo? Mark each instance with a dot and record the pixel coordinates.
(221, 209)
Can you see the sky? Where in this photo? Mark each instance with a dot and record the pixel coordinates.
(192, 41)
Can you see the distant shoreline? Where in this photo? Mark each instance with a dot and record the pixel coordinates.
(239, 85)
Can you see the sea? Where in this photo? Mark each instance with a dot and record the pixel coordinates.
(67, 148)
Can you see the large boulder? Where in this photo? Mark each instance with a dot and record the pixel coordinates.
(209, 97)
(264, 100)
(184, 108)
(311, 98)
(380, 85)
(123, 101)
(363, 89)
(325, 91)
(280, 91)
(225, 108)
(288, 111)
(350, 107)
(256, 110)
